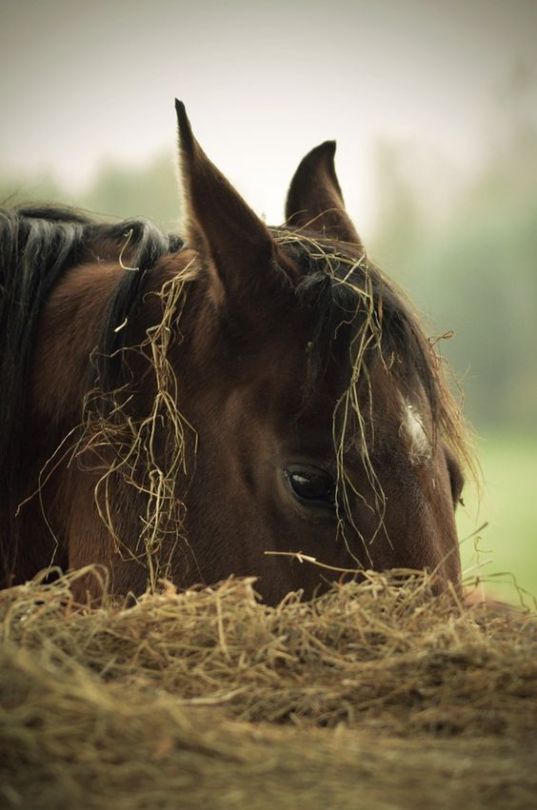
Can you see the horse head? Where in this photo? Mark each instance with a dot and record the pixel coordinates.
(259, 401)
(324, 427)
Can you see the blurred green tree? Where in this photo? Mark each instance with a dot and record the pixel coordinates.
(117, 191)
(473, 269)
(150, 191)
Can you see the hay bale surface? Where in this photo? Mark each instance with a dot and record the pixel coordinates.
(373, 696)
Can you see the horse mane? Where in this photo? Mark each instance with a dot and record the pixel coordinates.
(38, 245)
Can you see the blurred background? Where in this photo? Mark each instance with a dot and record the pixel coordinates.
(434, 107)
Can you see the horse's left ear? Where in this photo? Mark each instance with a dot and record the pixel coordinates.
(236, 244)
(314, 199)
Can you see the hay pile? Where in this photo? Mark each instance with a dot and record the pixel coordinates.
(373, 696)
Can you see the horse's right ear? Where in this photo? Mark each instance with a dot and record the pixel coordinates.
(314, 199)
(236, 244)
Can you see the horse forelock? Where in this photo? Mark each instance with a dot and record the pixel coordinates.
(364, 318)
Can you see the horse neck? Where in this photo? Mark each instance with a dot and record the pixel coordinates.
(69, 463)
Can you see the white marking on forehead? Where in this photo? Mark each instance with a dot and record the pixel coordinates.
(420, 447)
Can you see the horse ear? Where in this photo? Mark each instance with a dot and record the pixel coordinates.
(315, 200)
(238, 246)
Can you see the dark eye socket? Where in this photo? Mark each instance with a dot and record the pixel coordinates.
(312, 487)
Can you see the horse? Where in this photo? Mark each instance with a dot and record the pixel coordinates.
(243, 400)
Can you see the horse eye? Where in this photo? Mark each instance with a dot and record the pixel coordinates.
(456, 478)
(312, 487)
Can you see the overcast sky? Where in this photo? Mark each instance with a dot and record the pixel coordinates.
(263, 82)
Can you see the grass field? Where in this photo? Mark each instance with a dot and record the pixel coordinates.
(509, 505)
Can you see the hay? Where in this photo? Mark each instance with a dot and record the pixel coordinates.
(372, 696)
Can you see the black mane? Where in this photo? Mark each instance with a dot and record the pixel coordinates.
(38, 244)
